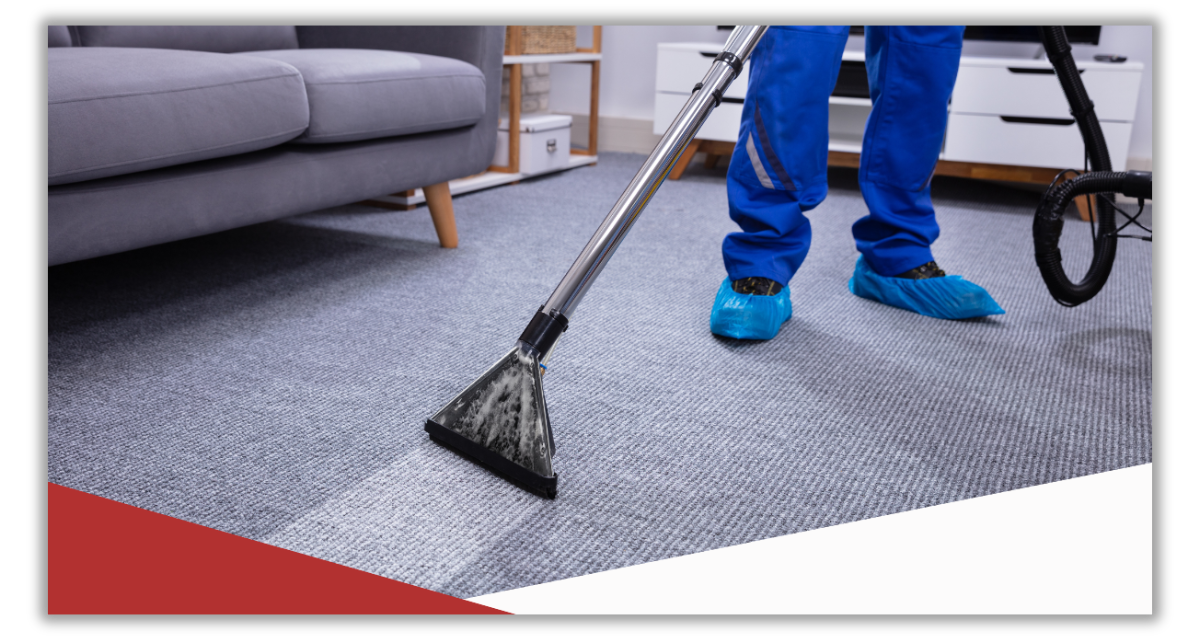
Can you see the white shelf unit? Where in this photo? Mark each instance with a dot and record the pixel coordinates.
(536, 58)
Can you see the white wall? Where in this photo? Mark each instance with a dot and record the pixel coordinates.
(627, 72)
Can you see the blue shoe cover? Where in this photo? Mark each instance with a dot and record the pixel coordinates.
(748, 317)
(948, 297)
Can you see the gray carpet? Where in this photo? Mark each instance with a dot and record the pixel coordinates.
(272, 381)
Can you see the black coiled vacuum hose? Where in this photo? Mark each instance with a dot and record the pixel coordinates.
(1047, 224)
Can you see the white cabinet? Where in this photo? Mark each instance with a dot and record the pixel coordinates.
(1013, 111)
(721, 125)
(1016, 87)
(682, 64)
(1053, 143)
(1004, 111)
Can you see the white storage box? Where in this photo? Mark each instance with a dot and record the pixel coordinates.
(545, 143)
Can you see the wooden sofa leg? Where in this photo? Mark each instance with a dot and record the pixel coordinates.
(441, 208)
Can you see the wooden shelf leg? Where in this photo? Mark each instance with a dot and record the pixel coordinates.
(514, 118)
(441, 209)
(594, 106)
(684, 160)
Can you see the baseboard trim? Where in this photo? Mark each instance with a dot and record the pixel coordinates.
(1139, 164)
(626, 135)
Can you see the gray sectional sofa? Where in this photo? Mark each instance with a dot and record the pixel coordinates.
(157, 134)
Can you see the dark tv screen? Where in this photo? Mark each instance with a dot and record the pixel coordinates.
(1076, 35)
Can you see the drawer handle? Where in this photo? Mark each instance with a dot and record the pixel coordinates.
(1062, 122)
(1041, 72)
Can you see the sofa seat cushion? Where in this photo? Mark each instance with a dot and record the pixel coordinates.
(361, 94)
(114, 111)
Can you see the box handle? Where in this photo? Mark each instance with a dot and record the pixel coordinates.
(1061, 122)
(552, 145)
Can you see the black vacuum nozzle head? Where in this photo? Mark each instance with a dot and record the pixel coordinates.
(500, 421)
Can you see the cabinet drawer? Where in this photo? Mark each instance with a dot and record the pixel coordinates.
(722, 123)
(681, 66)
(1034, 91)
(990, 139)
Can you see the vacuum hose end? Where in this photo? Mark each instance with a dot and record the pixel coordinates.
(1137, 184)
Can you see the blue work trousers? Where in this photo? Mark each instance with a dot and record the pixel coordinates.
(778, 169)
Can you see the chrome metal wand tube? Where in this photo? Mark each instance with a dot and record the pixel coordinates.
(608, 237)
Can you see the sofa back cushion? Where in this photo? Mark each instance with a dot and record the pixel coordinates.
(119, 110)
(217, 39)
(59, 36)
(363, 94)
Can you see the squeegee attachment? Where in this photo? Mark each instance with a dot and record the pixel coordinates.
(500, 421)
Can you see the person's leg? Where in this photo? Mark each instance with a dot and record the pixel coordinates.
(911, 71)
(777, 172)
(778, 167)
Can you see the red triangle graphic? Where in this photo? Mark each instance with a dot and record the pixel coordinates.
(109, 557)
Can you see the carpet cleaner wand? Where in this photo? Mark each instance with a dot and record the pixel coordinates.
(500, 420)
